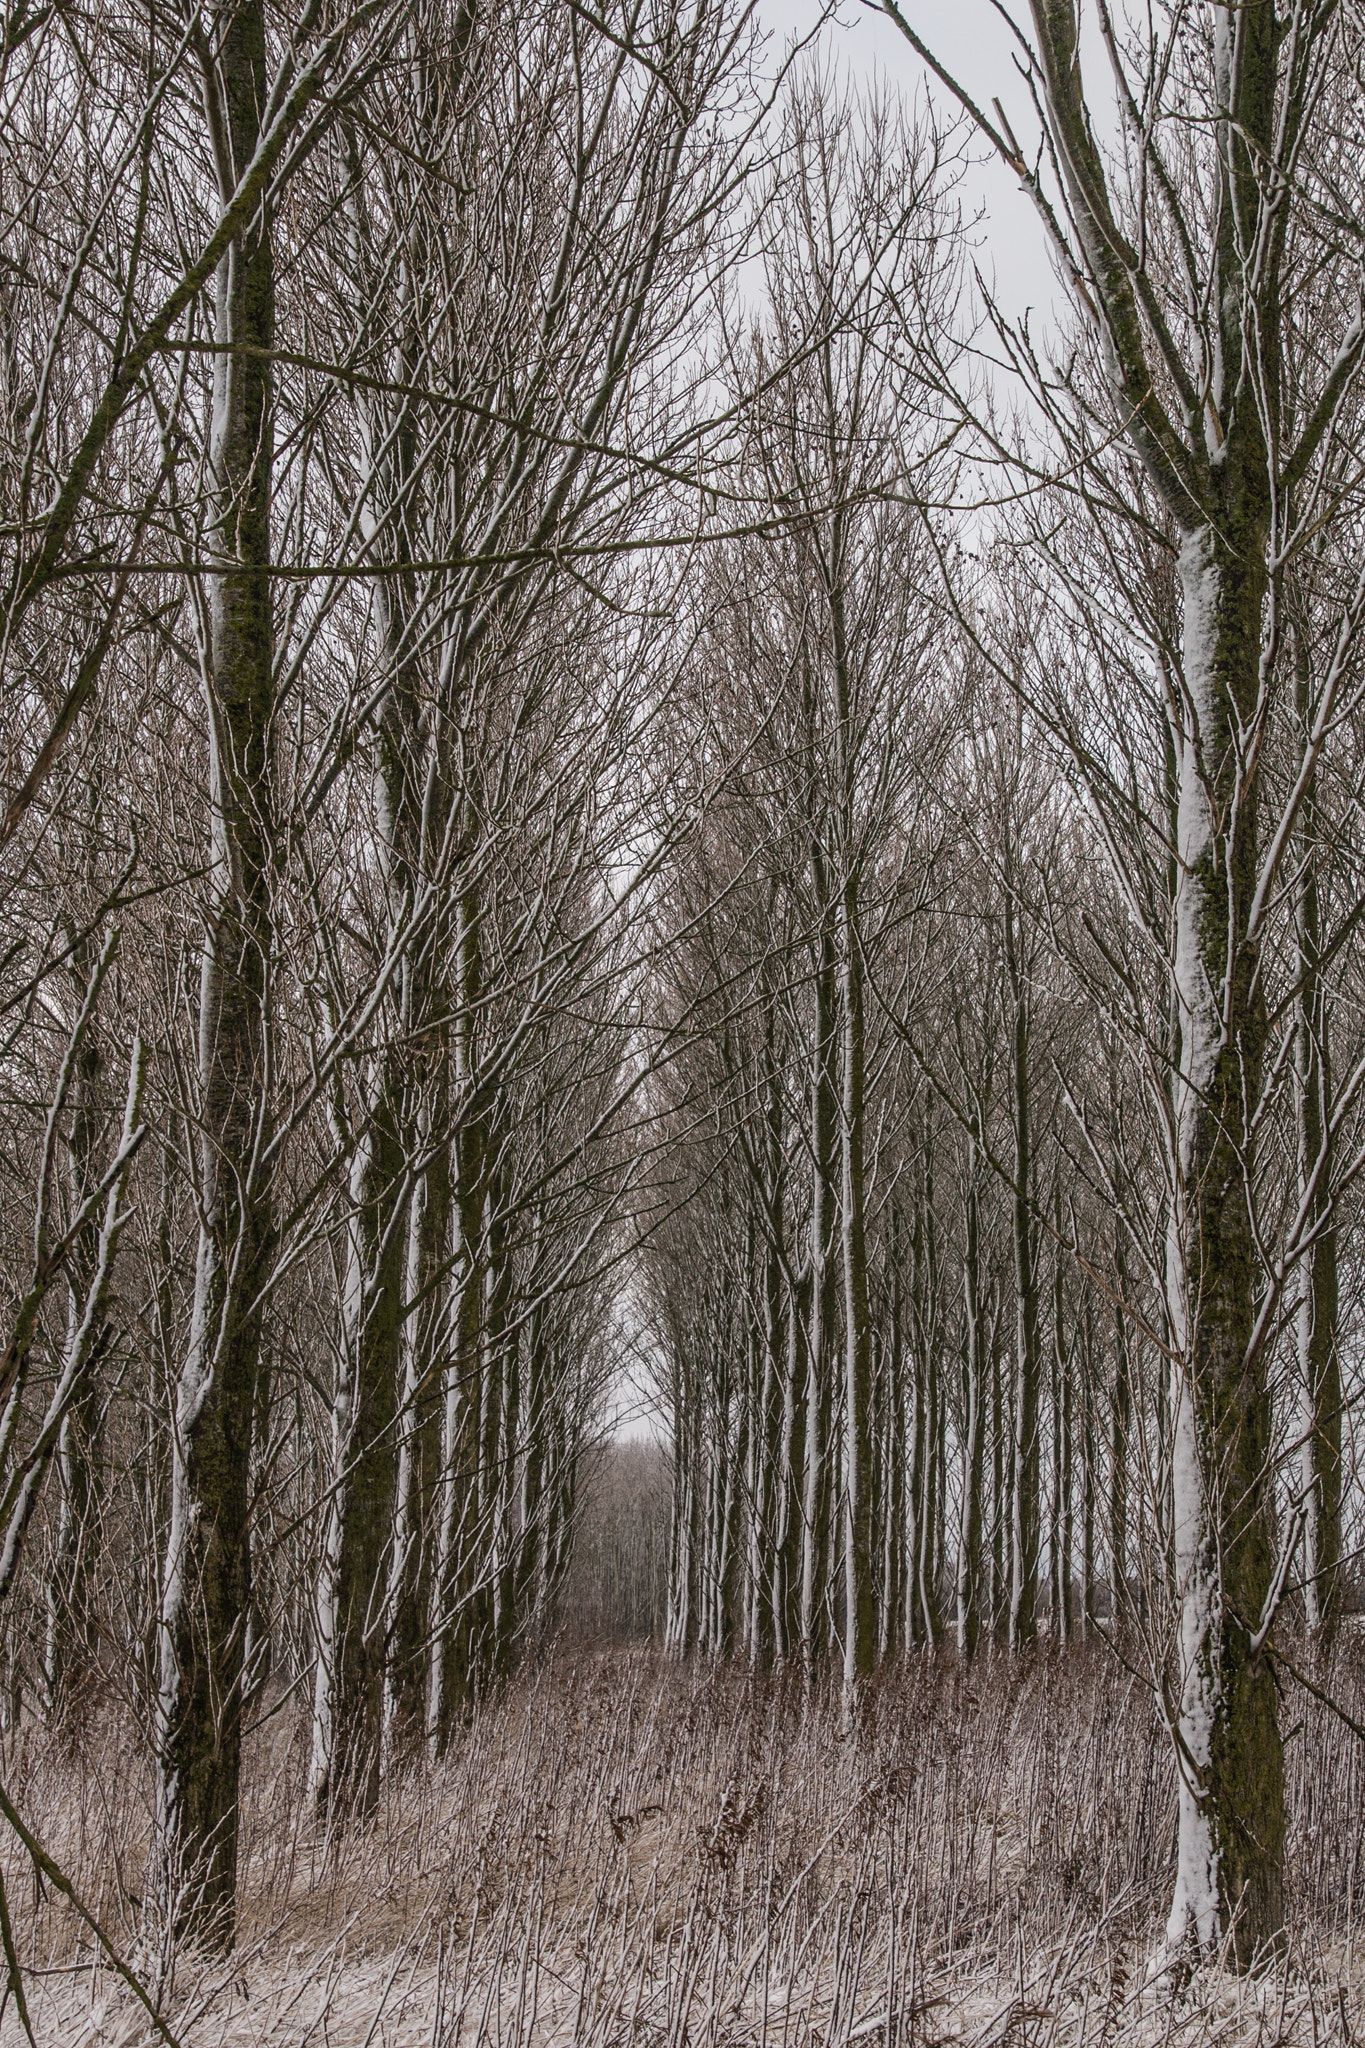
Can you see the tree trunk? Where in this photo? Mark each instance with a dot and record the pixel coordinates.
(1063, 1522)
(1001, 1461)
(1316, 1323)
(1024, 1522)
(934, 1471)
(1089, 1453)
(762, 1628)
(378, 1479)
(70, 1637)
(815, 1515)
(418, 1423)
(206, 1581)
(860, 1619)
(348, 1692)
(1232, 1813)
(449, 1660)
(1120, 1419)
(900, 1500)
(791, 1465)
(973, 1398)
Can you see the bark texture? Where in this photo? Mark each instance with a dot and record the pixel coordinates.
(1232, 1812)
(206, 1581)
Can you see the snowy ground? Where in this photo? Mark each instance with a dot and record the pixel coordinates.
(620, 1853)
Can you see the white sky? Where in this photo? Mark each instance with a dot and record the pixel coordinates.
(970, 40)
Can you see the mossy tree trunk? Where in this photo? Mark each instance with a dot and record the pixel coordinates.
(1232, 1814)
(206, 1579)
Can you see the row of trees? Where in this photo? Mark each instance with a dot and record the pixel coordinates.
(350, 361)
(574, 782)
(1010, 1261)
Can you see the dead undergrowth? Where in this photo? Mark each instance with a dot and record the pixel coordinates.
(621, 1852)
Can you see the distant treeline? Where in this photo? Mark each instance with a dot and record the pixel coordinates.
(616, 1588)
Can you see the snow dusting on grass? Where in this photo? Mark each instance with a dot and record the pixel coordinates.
(620, 1851)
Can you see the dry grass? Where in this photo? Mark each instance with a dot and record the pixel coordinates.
(620, 1852)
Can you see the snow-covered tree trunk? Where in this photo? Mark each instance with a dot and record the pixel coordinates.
(448, 1625)
(348, 1693)
(928, 1459)
(545, 1389)
(1000, 1481)
(815, 1513)
(1085, 1591)
(973, 1396)
(887, 1525)
(1316, 1322)
(506, 1618)
(931, 1498)
(497, 1368)
(762, 1463)
(680, 1627)
(1231, 1789)
(70, 1635)
(1063, 1520)
(205, 1588)
(766, 1505)
(1120, 1431)
(790, 1461)
(914, 1474)
(900, 1505)
(418, 1420)
(1024, 1544)
(860, 1621)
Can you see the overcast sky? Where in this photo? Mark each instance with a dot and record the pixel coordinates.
(972, 42)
